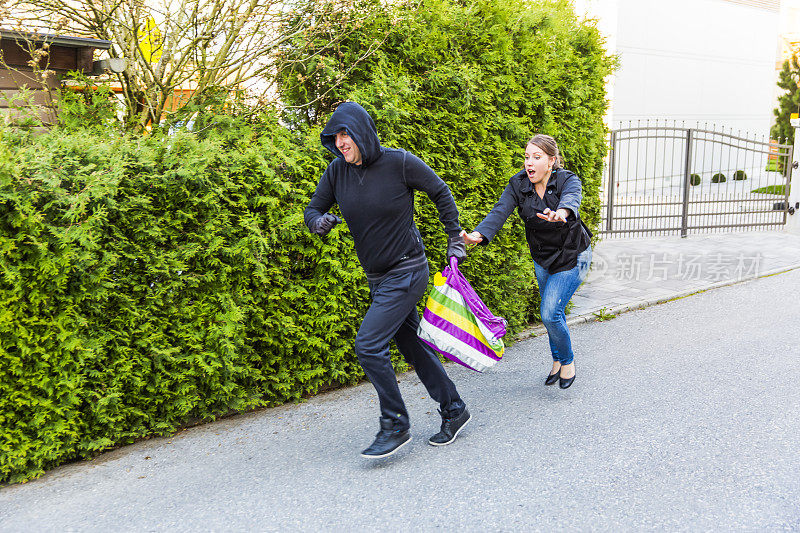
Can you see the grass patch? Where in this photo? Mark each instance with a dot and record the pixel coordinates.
(779, 190)
(603, 314)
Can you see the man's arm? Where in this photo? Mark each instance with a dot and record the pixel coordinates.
(316, 217)
(420, 176)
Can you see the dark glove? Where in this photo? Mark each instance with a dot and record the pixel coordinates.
(456, 248)
(325, 223)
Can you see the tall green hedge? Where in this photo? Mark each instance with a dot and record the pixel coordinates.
(464, 85)
(147, 282)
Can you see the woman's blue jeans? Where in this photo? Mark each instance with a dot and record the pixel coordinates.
(555, 291)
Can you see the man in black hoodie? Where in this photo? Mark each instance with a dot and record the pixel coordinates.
(374, 187)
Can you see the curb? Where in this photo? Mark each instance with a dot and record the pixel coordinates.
(641, 304)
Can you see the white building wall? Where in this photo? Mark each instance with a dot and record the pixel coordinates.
(706, 61)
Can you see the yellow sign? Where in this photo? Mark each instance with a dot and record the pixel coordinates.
(150, 41)
(794, 116)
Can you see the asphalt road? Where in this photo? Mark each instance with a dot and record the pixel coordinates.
(683, 417)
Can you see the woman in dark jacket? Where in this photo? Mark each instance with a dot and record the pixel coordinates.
(547, 198)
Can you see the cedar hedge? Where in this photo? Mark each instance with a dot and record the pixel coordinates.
(150, 282)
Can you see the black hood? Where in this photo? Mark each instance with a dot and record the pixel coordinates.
(359, 125)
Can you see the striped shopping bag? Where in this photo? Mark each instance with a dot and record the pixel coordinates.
(457, 324)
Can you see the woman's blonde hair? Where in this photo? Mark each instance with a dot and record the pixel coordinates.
(548, 146)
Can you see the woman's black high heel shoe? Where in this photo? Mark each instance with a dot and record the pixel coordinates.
(552, 378)
(565, 383)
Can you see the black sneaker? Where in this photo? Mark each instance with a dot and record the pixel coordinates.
(450, 428)
(387, 441)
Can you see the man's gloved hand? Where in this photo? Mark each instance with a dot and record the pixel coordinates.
(325, 223)
(456, 248)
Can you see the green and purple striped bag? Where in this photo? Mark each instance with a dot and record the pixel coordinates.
(457, 324)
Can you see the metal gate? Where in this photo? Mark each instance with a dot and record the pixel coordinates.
(667, 179)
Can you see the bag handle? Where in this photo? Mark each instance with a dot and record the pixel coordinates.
(496, 324)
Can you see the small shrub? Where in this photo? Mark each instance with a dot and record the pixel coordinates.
(695, 179)
(740, 175)
(719, 177)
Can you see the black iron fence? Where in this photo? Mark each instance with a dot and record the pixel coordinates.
(664, 179)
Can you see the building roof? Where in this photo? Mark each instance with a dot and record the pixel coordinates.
(72, 42)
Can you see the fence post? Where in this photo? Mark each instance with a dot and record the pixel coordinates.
(793, 193)
(612, 156)
(687, 172)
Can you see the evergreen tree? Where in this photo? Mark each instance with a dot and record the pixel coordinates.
(787, 103)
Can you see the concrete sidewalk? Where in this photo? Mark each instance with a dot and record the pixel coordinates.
(634, 273)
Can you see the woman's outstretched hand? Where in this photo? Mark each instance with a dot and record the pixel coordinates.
(471, 238)
(559, 215)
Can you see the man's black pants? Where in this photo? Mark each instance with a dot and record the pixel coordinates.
(393, 315)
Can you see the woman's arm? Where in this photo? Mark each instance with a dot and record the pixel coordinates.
(571, 195)
(490, 225)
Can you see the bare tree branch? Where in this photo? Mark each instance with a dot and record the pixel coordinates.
(200, 45)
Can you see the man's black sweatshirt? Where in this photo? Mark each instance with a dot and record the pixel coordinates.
(376, 198)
